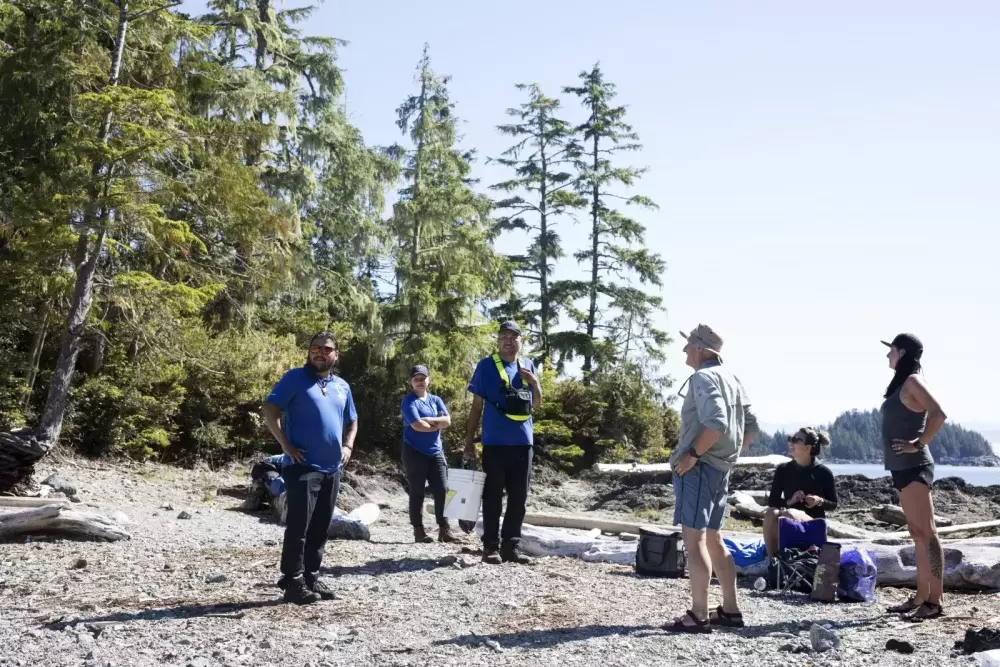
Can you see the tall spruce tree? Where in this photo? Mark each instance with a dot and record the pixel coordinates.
(615, 244)
(446, 266)
(542, 192)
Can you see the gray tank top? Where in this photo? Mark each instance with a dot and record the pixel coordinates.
(898, 421)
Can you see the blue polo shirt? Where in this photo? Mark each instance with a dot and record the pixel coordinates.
(414, 409)
(314, 421)
(498, 428)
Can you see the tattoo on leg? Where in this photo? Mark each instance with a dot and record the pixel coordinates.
(936, 558)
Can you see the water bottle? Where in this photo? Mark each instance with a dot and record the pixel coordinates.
(760, 585)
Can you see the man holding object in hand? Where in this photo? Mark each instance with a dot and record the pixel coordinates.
(310, 412)
(508, 387)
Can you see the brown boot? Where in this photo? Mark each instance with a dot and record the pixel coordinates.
(420, 535)
(445, 535)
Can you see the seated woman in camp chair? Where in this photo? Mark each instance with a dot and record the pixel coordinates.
(801, 484)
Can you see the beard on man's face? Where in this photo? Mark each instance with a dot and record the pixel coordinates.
(320, 363)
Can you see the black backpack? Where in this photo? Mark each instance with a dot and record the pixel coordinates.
(660, 554)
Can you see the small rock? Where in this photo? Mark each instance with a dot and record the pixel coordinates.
(270, 543)
(465, 562)
(444, 561)
(266, 644)
(120, 517)
(786, 648)
(905, 648)
(184, 641)
(75, 499)
(823, 639)
(167, 506)
(493, 644)
(60, 484)
(89, 656)
(216, 578)
(472, 581)
(184, 515)
(781, 635)
(80, 564)
(199, 662)
(510, 605)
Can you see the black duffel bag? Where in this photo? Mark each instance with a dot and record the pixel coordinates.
(660, 554)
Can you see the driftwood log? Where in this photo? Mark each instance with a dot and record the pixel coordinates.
(894, 514)
(19, 451)
(745, 505)
(21, 501)
(57, 520)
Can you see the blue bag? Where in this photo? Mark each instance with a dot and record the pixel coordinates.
(858, 575)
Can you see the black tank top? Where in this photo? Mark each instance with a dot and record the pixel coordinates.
(898, 421)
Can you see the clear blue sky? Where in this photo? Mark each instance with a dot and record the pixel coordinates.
(826, 172)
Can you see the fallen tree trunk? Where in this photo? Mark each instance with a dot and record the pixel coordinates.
(19, 501)
(57, 520)
(960, 528)
(894, 514)
(580, 522)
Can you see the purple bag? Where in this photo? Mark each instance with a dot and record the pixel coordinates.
(857, 576)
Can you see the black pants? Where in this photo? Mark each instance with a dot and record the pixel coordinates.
(506, 468)
(420, 469)
(310, 498)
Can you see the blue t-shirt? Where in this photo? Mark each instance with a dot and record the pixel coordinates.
(314, 422)
(415, 409)
(498, 428)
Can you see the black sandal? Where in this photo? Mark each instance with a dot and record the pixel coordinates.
(904, 608)
(724, 619)
(699, 627)
(928, 611)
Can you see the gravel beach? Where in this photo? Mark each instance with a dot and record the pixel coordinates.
(200, 591)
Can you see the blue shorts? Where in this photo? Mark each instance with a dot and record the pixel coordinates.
(700, 497)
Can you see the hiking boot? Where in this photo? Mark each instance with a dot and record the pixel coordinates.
(297, 592)
(491, 556)
(321, 589)
(445, 535)
(282, 583)
(420, 535)
(511, 554)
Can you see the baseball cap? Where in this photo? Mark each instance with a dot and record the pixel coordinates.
(510, 326)
(704, 337)
(908, 342)
(419, 369)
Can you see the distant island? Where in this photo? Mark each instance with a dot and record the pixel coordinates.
(856, 437)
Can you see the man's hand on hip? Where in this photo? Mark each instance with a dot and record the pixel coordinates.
(684, 463)
(296, 455)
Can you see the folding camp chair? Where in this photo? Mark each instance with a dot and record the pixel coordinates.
(794, 566)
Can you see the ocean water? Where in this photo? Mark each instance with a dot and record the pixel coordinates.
(971, 474)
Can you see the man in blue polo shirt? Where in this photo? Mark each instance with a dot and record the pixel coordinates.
(310, 412)
(505, 391)
(424, 417)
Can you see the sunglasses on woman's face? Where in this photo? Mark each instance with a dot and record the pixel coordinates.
(796, 439)
(325, 349)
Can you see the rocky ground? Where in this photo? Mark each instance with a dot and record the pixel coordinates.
(200, 591)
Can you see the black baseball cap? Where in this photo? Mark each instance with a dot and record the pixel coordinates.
(908, 342)
(419, 369)
(510, 325)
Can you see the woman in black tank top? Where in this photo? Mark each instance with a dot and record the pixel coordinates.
(911, 417)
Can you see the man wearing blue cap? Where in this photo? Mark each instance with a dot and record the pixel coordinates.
(424, 417)
(507, 387)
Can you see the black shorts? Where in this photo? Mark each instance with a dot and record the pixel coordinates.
(923, 474)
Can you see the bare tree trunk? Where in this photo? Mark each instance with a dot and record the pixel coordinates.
(543, 230)
(37, 345)
(595, 237)
(20, 450)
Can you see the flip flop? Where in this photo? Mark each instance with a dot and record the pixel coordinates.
(928, 611)
(904, 608)
(724, 619)
(699, 627)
